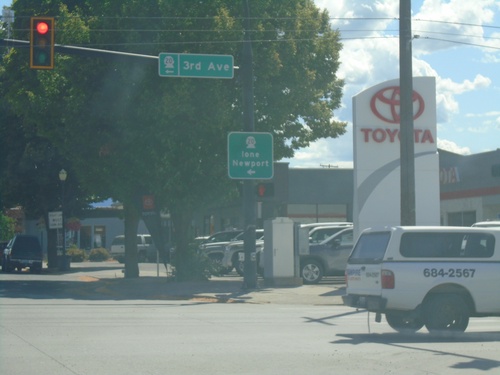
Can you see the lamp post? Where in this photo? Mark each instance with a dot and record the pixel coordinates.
(62, 177)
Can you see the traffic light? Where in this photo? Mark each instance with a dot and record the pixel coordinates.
(264, 189)
(42, 43)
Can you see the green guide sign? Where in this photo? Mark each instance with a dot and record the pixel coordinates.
(250, 155)
(195, 65)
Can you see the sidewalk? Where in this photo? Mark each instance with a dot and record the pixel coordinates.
(109, 282)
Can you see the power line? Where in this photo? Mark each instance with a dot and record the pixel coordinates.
(459, 23)
(283, 35)
(210, 18)
(459, 42)
(172, 43)
(455, 34)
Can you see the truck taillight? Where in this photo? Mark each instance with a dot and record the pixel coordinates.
(388, 279)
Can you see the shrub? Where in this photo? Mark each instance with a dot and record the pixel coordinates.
(76, 254)
(98, 254)
(192, 266)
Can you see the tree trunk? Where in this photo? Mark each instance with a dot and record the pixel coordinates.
(181, 221)
(131, 226)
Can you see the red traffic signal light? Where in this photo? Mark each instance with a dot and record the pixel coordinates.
(42, 43)
(42, 27)
(264, 189)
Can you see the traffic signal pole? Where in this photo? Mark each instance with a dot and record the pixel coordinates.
(89, 52)
(249, 199)
(407, 150)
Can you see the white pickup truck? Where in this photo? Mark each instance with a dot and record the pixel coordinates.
(146, 251)
(432, 276)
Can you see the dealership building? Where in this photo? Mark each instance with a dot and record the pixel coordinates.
(469, 191)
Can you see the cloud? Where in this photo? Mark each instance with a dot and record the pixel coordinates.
(466, 85)
(337, 152)
(442, 24)
(484, 123)
(452, 147)
(447, 89)
(487, 114)
(464, 77)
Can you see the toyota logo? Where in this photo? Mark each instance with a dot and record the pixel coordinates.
(385, 104)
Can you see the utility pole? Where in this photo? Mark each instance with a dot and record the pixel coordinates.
(407, 150)
(249, 200)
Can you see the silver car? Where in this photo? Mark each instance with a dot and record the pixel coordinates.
(234, 255)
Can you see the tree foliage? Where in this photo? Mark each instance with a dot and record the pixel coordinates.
(128, 131)
(7, 226)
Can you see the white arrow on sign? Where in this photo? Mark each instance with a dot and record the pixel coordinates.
(251, 172)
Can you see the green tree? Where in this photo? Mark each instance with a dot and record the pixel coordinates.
(7, 227)
(129, 132)
(29, 168)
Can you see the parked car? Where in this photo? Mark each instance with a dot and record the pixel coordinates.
(321, 233)
(327, 258)
(197, 241)
(21, 252)
(223, 236)
(487, 224)
(311, 226)
(234, 252)
(146, 250)
(215, 250)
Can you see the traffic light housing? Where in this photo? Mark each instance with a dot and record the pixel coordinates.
(42, 43)
(264, 189)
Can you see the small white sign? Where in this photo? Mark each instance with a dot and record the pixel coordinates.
(55, 220)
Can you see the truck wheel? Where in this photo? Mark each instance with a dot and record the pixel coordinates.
(446, 313)
(311, 271)
(6, 266)
(404, 323)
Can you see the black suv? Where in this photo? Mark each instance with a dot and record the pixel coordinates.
(21, 252)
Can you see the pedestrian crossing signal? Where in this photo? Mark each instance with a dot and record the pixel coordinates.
(264, 189)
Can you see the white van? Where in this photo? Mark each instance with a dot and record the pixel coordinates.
(432, 276)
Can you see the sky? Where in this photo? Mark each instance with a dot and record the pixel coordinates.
(455, 41)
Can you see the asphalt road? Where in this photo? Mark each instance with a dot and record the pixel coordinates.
(48, 325)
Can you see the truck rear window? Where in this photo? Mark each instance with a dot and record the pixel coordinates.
(26, 244)
(370, 248)
(447, 245)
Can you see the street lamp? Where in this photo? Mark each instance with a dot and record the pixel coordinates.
(62, 177)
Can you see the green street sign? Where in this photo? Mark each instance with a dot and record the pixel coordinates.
(195, 65)
(250, 155)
